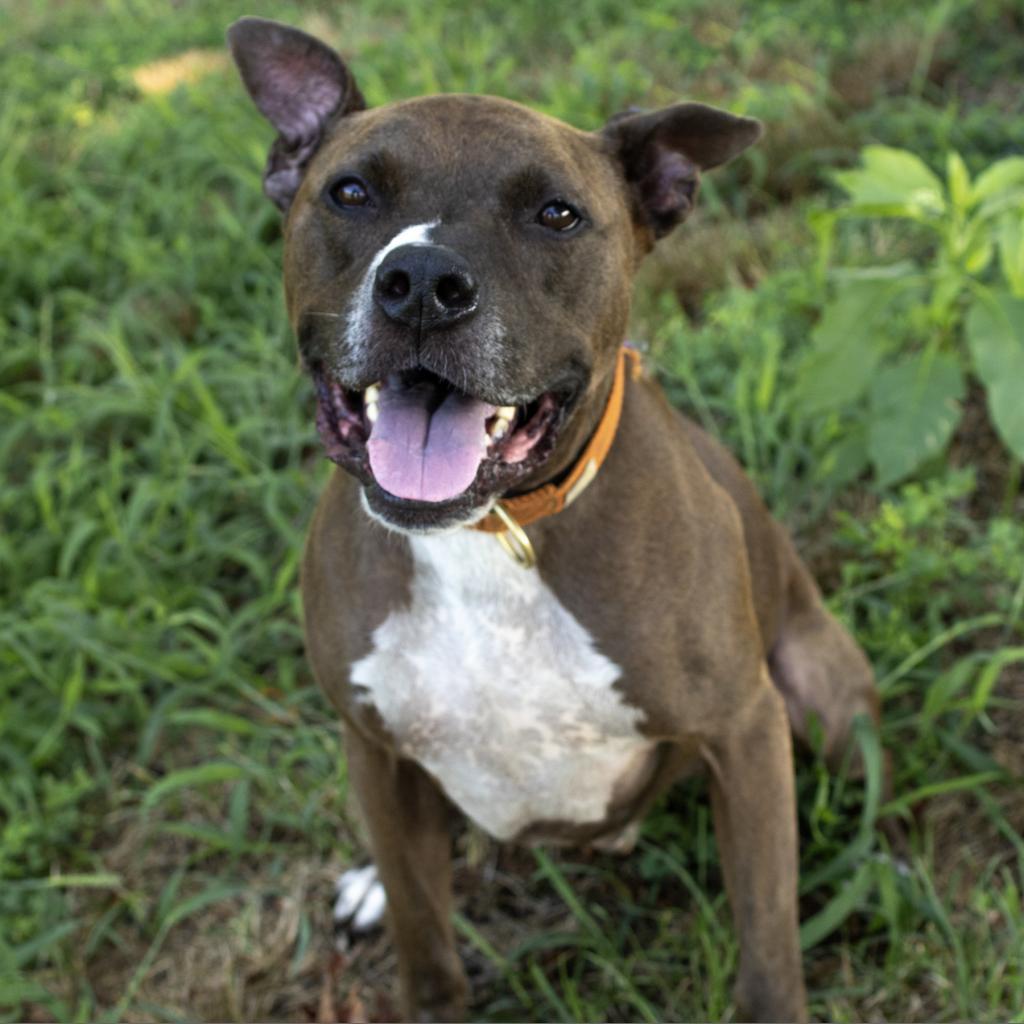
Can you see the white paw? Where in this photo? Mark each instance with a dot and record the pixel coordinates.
(359, 907)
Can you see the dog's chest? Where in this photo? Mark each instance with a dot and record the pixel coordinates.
(490, 683)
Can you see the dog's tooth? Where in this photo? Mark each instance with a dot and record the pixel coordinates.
(371, 398)
(501, 422)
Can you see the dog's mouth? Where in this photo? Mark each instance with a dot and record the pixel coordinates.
(427, 445)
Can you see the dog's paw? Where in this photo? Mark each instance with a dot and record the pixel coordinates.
(359, 906)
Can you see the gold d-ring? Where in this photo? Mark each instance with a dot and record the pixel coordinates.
(514, 539)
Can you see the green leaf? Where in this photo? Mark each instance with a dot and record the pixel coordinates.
(915, 406)
(846, 458)
(1006, 202)
(847, 346)
(995, 337)
(1011, 251)
(989, 675)
(211, 718)
(959, 181)
(866, 735)
(893, 182)
(851, 897)
(906, 801)
(973, 246)
(200, 775)
(15, 990)
(1002, 177)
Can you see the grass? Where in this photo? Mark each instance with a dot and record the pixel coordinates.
(173, 804)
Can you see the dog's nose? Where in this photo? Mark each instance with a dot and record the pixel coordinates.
(425, 287)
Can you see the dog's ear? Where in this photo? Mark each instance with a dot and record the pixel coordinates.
(299, 84)
(662, 153)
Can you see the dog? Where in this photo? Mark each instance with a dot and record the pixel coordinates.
(536, 593)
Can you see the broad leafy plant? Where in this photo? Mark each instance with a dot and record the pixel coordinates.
(897, 341)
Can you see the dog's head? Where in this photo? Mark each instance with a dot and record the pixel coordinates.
(458, 268)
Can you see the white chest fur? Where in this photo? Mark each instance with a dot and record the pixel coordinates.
(489, 683)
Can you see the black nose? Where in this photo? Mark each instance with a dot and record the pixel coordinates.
(425, 287)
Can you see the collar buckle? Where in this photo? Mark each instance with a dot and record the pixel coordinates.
(513, 539)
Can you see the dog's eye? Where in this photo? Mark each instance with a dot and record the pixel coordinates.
(559, 216)
(349, 192)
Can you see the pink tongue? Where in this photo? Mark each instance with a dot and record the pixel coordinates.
(427, 455)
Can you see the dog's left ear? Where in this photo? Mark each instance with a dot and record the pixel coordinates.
(299, 85)
(663, 152)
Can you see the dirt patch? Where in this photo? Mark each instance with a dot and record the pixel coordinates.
(163, 76)
(709, 255)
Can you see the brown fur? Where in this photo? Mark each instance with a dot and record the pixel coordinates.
(670, 560)
(676, 569)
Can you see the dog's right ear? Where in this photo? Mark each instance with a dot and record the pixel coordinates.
(299, 84)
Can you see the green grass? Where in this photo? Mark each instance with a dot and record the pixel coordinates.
(172, 800)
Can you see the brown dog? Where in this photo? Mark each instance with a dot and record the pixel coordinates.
(458, 273)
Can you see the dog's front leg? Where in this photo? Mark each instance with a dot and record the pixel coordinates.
(407, 817)
(752, 797)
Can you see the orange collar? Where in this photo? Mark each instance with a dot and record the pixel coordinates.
(550, 499)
